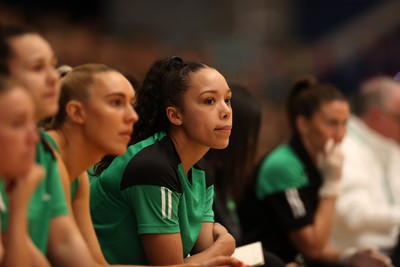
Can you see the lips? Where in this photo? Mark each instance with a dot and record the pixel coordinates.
(50, 94)
(224, 128)
(126, 133)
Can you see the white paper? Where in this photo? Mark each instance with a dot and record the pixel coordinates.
(251, 254)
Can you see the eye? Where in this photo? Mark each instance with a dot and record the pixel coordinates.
(228, 100)
(209, 101)
(20, 122)
(37, 67)
(116, 102)
(332, 123)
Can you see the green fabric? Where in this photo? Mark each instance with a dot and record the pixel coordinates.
(48, 201)
(121, 216)
(74, 188)
(280, 170)
(52, 142)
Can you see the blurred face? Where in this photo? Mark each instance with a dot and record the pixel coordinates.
(328, 122)
(33, 65)
(388, 121)
(18, 134)
(109, 113)
(207, 111)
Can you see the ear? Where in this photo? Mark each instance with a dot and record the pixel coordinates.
(374, 116)
(375, 112)
(75, 112)
(174, 116)
(302, 125)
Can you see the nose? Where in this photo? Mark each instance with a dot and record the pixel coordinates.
(339, 134)
(53, 75)
(32, 134)
(132, 116)
(226, 111)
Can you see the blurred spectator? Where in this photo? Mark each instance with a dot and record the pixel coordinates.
(368, 209)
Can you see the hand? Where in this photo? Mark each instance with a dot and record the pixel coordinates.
(367, 257)
(330, 164)
(20, 189)
(223, 261)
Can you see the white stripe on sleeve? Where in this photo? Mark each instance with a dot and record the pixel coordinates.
(294, 200)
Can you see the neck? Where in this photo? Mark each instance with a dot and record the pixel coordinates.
(310, 149)
(189, 152)
(76, 152)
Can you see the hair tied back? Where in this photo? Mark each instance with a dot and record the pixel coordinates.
(304, 83)
(64, 70)
(177, 58)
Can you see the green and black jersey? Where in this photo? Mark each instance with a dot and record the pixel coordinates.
(283, 199)
(47, 202)
(146, 191)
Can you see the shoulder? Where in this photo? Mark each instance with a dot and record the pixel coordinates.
(154, 164)
(280, 170)
(204, 167)
(43, 147)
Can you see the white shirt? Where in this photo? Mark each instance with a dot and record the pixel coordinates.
(368, 208)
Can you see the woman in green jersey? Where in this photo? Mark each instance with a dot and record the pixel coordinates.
(153, 205)
(95, 118)
(20, 174)
(28, 58)
(298, 182)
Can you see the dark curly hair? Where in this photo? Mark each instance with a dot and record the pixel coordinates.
(164, 85)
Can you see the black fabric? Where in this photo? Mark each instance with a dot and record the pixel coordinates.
(158, 164)
(152, 166)
(46, 146)
(227, 217)
(271, 219)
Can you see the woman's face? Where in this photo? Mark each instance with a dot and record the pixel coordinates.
(109, 113)
(328, 122)
(18, 133)
(207, 111)
(33, 65)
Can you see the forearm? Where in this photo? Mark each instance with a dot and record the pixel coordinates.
(323, 220)
(38, 258)
(66, 246)
(68, 254)
(224, 245)
(16, 250)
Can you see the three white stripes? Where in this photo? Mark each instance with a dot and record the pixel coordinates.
(166, 202)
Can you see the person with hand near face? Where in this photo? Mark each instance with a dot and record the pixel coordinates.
(153, 205)
(19, 173)
(28, 58)
(298, 182)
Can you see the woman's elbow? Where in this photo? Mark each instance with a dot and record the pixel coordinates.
(228, 243)
(313, 253)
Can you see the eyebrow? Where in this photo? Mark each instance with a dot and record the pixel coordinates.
(213, 91)
(119, 94)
